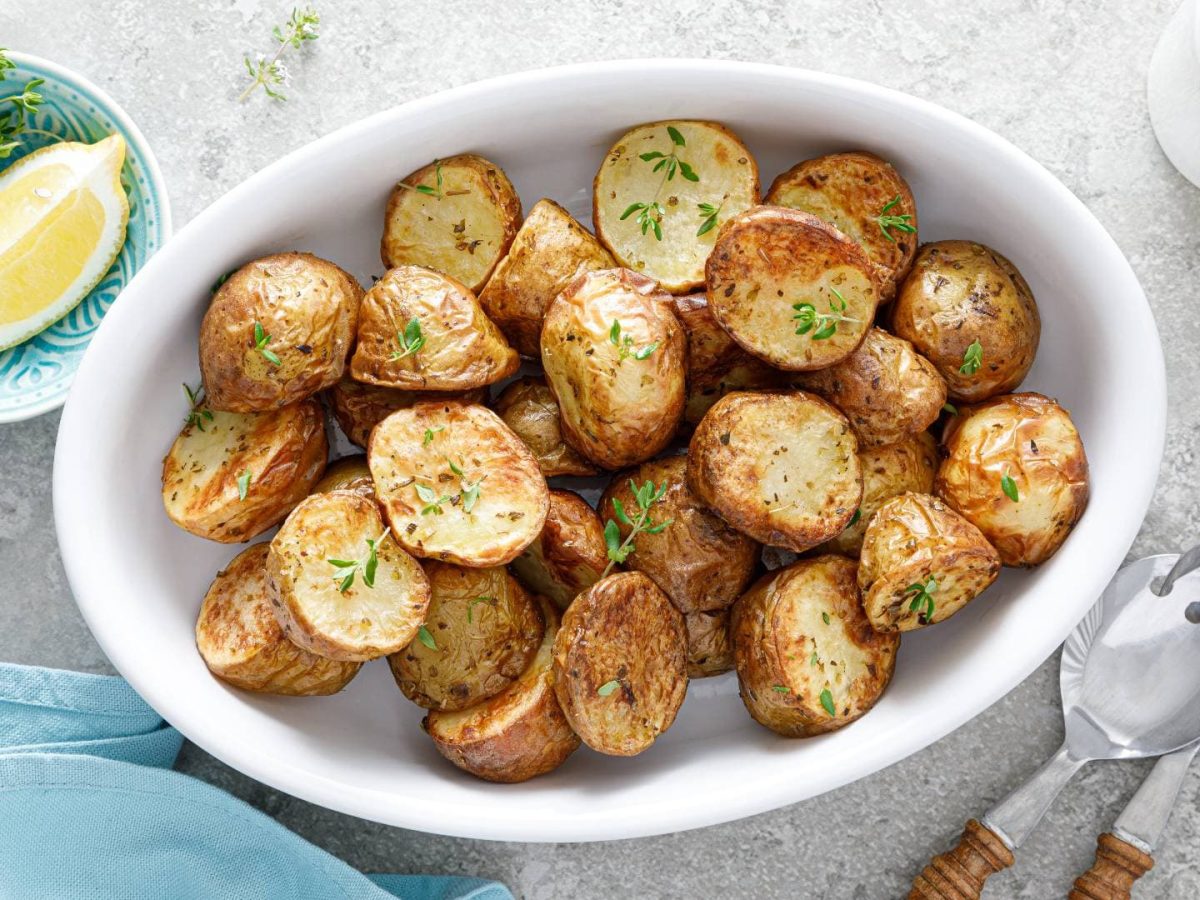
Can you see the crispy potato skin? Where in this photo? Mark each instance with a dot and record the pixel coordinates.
(307, 306)
(359, 407)
(909, 539)
(1032, 439)
(464, 232)
(699, 561)
(959, 292)
(782, 468)
(528, 407)
(549, 252)
(569, 554)
(615, 411)
(710, 645)
(849, 191)
(350, 473)
(770, 259)
(886, 389)
(242, 643)
(284, 451)
(486, 630)
(800, 631)
(622, 629)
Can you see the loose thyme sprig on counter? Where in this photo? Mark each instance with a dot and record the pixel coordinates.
(646, 496)
(650, 214)
(826, 324)
(346, 569)
(270, 74)
(13, 121)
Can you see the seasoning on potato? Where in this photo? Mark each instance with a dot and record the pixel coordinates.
(528, 407)
(569, 554)
(710, 646)
(359, 407)
(350, 473)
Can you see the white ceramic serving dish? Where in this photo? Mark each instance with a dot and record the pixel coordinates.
(138, 579)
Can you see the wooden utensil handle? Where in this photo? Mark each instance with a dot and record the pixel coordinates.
(960, 873)
(1118, 865)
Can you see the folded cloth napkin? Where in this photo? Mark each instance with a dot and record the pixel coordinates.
(90, 808)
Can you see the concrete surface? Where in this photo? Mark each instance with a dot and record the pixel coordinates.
(1063, 79)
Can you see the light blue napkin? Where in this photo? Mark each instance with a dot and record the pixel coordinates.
(90, 808)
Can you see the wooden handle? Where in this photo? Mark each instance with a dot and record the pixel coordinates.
(960, 873)
(1118, 865)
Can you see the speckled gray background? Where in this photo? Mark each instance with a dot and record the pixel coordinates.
(1062, 79)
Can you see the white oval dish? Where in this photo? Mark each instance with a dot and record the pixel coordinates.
(139, 581)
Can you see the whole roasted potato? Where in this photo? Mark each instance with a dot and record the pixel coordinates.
(1015, 468)
(710, 646)
(969, 312)
(278, 330)
(360, 407)
(568, 556)
(350, 473)
(528, 407)
(615, 360)
(808, 661)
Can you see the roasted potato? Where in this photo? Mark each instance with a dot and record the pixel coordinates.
(350, 473)
(242, 643)
(921, 563)
(620, 664)
(710, 646)
(481, 632)
(516, 735)
(234, 475)
(615, 360)
(569, 554)
(1015, 468)
(456, 484)
(700, 562)
(864, 198)
(341, 585)
(781, 468)
(791, 289)
(278, 330)
(886, 389)
(969, 312)
(456, 215)
(807, 659)
(661, 191)
(528, 407)
(548, 253)
(359, 407)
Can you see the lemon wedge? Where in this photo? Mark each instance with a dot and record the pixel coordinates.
(63, 215)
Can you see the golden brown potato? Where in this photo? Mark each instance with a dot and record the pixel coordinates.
(710, 646)
(350, 473)
(791, 289)
(241, 642)
(278, 330)
(455, 215)
(456, 484)
(700, 562)
(781, 468)
(341, 585)
(887, 390)
(661, 192)
(232, 476)
(549, 252)
(1031, 441)
(620, 664)
(807, 659)
(360, 407)
(481, 632)
(864, 198)
(969, 312)
(921, 563)
(569, 554)
(516, 735)
(615, 360)
(528, 407)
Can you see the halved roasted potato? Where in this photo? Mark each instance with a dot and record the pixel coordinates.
(234, 475)
(528, 407)
(455, 215)
(1016, 469)
(620, 664)
(791, 289)
(615, 359)
(278, 330)
(341, 585)
(780, 467)
(456, 484)
(241, 641)
(921, 563)
(710, 645)
(569, 554)
(350, 473)
(359, 407)
(808, 661)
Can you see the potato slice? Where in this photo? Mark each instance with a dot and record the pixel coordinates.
(366, 609)
(808, 661)
(232, 476)
(620, 664)
(456, 484)
(710, 646)
(528, 407)
(457, 216)
(360, 407)
(241, 641)
(791, 289)
(569, 554)
(685, 173)
(781, 468)
(350, 473)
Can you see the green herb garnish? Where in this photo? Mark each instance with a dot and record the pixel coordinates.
(13, 122)
(429, 433)
(854, 518)
(826, 324)
(1009, 486)
(198, 413)
(709, 214)
(827, 702)
(607, 688)
(346, 569)
(261, 340)
(650, 215)
(624, 344)
(470, 490)
(243, 484)
(270, 74)
(900, 223)
(426, 638)
(490, 601)
(410, 340)
(646, 496)
(825, 618)
(780, 689)
(972, 358)
(950, 408)
(922, 598)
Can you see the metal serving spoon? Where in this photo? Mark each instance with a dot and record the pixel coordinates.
(1129, 690)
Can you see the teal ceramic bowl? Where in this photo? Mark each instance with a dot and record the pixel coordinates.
(35, 375)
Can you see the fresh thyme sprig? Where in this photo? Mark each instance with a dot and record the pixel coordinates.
(1009, 486)
(922, 598)
(709, 214)
(198, 413)
(346, 569)
(646, 496)
(972, 358)
(433, 503)
(624, 344)
(470, 489)
(261, 340)
(410, 340)
(899, 223)
(650, 215)
(13, 121)
(429, 435)
(270, 74)
(826, 324)
(439, 192)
